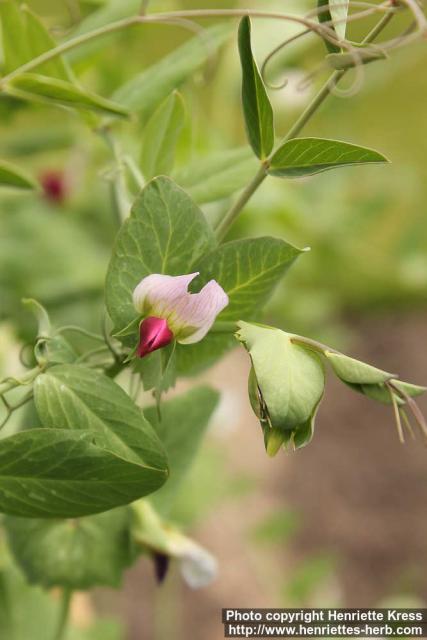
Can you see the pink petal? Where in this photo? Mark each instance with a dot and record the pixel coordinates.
(157, 294)
(199, 310)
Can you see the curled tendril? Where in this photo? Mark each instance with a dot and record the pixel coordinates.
(417, 29)
(368, 9)
(273, 54)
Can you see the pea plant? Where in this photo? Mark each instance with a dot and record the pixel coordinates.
(87, 486)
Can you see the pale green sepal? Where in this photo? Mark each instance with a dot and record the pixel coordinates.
(356, 372)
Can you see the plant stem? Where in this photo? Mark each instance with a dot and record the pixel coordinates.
(119, 195)
(230, 216)
(224, 327)
(10, 382)
(84, 332)
(232, 213)
(63, 614)
(311, 109)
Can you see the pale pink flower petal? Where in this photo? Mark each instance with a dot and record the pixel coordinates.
(157, 294)
(199, 310)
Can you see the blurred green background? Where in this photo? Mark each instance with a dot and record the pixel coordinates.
(343, 522)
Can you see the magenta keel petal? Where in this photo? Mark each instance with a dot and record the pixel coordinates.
(154, 334)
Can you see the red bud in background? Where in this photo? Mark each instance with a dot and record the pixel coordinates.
(54, 186)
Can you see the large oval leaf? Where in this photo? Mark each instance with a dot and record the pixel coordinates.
(192, 359)
(305, 156)
(256, 105)
(97, 452)
(248, 270)
(165, 233)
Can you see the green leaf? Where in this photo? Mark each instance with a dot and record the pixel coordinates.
(305, 156)
(149, 369)
(381, 393)
(248, 270)
(144, 92)
(183, 424)
(16, 49)
(39, 41)
(25, 37)
(97, 452)
(11, 176)
(256, 105)
(219, 175)
(336, 14)
(290, 381)
(355, 371)
(161, 135)
(31, 86)
(165, 233)
(192, 359)
(75, 554)
(339, 13)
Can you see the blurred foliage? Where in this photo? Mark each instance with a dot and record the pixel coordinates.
(366, 226)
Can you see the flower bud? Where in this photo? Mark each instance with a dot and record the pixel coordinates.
(165, 542)
(286, 385)
(54, 186)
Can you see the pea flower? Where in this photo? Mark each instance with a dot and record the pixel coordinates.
(165, 542)
(171, 312)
